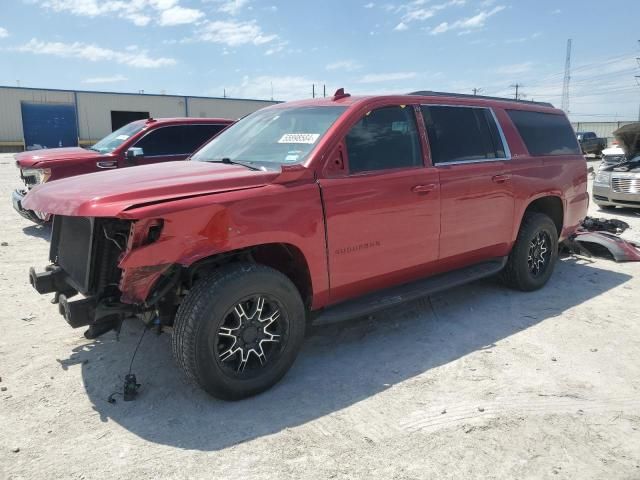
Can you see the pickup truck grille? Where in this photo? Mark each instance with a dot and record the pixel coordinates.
(80, 246)
(625, 184)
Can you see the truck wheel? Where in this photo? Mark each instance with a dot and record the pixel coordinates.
(534, 254)
(238, 331)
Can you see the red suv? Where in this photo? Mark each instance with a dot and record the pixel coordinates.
(137, 143)
(313, 211)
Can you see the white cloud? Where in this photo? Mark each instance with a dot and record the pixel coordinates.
(3, 32)
(557, 11)
(344, 65)
(419, 10)
(477, 21)
(179, 16)
(514, 69)
(111, 79)
(369, 5)
(232, 7)
(139, 12)
(94, 53)
(386, 77)
(401, 27)
(233, 33)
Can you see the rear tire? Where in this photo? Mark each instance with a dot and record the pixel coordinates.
(534, 254)
(238, 331)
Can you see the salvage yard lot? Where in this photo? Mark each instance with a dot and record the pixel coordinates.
(481, 381)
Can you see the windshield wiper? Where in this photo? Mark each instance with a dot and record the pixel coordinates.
(228, 161)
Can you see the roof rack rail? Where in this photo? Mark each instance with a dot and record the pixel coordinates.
(429, 93)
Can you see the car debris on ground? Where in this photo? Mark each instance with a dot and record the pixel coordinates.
(599, 237)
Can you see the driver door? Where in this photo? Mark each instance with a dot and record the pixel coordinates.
(383, 215)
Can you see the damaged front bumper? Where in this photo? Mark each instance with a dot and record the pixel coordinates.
(100, 314)
(91, 257)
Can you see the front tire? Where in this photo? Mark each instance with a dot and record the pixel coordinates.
(534, 254)
(238, 331)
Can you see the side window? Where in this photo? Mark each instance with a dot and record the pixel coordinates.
(197, 135)
(163, 141)
(545, 133)
(458, 134)
(383, 139)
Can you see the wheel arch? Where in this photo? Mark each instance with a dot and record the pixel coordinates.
(286, 258)
(551, 205)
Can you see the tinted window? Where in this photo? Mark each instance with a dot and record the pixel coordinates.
(384, 138)
(545, 133)
(458, 134)
(197, 135)
(176, 140)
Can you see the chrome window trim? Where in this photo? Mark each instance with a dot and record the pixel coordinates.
(151, 130)
(503, 139)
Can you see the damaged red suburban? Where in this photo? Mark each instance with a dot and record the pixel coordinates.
(313, 211)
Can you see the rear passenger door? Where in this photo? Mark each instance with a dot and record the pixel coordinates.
(382, 208)
(175, 142)
(476, 199)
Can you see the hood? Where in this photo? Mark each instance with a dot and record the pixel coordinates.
(108, 194)
(52, 156)
(629, 139)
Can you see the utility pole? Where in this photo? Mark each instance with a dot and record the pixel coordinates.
(324, 90)
(224, 93)
(272, 91)
(567, 78)
(313, 90)
(517, 86)
(638, 82)
(476, 91)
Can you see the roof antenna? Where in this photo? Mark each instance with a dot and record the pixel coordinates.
(340, 94)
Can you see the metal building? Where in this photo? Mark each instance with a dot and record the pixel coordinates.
(37, 118)
(601, 129)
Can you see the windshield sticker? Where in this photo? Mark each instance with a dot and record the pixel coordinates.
(308, 138)
(122, 137)
(292, 156)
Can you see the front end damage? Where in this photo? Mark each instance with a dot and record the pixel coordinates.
(88, 272)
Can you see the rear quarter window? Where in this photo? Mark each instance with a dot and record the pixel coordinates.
(545, 133)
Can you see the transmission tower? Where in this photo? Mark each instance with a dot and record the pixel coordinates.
(567, 78)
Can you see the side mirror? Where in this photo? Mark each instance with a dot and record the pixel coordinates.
(133, 153)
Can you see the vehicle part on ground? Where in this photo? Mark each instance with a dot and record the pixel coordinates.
(533, 257)
(603, 244)
(611, 225)
(238, 331)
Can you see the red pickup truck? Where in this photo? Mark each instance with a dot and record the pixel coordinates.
(313, 211)
(137, 143)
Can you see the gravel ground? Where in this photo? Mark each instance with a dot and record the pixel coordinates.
(483, 382)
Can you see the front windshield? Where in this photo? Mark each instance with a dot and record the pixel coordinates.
(276, 135)
(112, 141)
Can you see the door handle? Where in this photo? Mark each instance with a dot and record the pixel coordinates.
(107, 164)
(500, 178)
(423, 188)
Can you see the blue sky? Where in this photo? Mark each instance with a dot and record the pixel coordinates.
(248, 47)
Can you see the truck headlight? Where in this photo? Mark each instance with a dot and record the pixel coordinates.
(602, 178)
(39, 175)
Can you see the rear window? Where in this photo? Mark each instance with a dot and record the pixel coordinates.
(545, 133)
